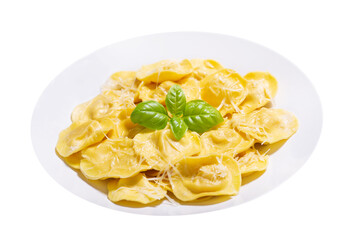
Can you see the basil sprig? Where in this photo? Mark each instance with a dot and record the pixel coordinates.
(201, 116)
(178, 127)
(196, 115)
(175, 100)
(150, 114)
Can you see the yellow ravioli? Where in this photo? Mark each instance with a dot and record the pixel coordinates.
(203, 68)
(136, 189)
(209, 175)
(160, 178)
(122, 99)
(226, 141)
(111, 159)
(123, 126)
(73, 160)
(165, 184)
(161, 91)
(105, 105)
(223, 125)
(146, 91)
(80, 135)
(165, 70)
(224, 90)
(267, 125)
(261, 88)
(152, 92)
(189, 85)
(252, 161)
(121, 80)
(191, 88)
(161, 150)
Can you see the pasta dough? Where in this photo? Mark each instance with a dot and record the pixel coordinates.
(191, 88)
(209, 175)
(151, 91)
(123, 126)
(226, 141)
(266, 125)
(261, 88)
(81, 135)
(137, 189)
(164, 71)
(224, 90)
(203, 68)
(73, 160)
(252, 161)
(105, 105)
(161, 150)
(111, 159)
(121, 80)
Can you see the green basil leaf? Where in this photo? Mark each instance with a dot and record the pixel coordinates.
(175, 100)
(201, 116)
(150, 114)
(178, 127)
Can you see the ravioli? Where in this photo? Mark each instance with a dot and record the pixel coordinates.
(252, 161)
(160, 92)
(210, 175)
(266, 125)
(224, 90)
(191, 88)
(105, 105)
(226, 141)
(165, 70)
(223, 125)
(81, 135)
(261, 88)
(111, 159)
(160, 178)
(121, 80)
(151, 91)
(123, 126)
(136, 189)
(160, 149)
(126, 82)
(203, 68)
(73, 160)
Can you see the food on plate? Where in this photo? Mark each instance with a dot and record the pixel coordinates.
(190, 128)
(208, 175)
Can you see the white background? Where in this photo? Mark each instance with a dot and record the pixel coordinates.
(41, 38)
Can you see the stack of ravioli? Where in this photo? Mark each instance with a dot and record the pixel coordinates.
(144, 165)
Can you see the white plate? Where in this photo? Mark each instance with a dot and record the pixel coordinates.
(82, 80)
